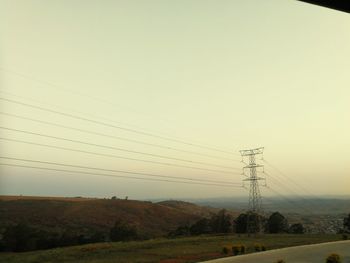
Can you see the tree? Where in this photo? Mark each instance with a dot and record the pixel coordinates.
(347, 223)
(221, 222)
(202, 226)
(19, 238)
(69, 238)
(240, 223)
(180, 231)
(277, 223)
(123, 231)
(297, 229)
(258, 222)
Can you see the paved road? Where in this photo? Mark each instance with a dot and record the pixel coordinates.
(300, 254)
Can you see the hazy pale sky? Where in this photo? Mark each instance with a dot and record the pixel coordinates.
(228, 74)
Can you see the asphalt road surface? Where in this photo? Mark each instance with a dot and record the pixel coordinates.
(300, 254)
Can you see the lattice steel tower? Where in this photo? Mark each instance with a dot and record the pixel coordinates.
(254, 215)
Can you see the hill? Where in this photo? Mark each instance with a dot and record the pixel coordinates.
(305, 205)
(83, 214)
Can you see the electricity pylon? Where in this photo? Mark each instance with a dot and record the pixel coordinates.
(254, 215)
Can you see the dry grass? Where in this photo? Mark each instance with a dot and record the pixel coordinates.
(20, 197)
(151, 219)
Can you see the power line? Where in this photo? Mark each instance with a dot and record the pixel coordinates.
(100, 100)
(117, 171)
(117, 176)
(283, 198)
(99, 117)
(60, 88)
(310, 201)
(112, 125)
(281, 173)
(288, 200)
(115, 148)
(280, 183)
(287, 177)
(273, 201)
(300, 187)
(114, 137)
(114, 156)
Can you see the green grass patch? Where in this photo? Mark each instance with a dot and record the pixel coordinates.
(179, 250)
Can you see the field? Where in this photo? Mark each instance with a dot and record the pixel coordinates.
(180, 250)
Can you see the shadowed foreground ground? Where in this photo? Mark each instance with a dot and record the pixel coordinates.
(300, 254)
(179, 250)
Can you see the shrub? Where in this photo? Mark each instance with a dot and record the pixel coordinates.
(257, 247)
(123, 231)
(225, 250)
(297, 229)
(236, 249)
(202, 226)
(333, 258)
(263, 248)
(20, 238)
(180, 231)
(347, 223)
(345, 237)
(243, 249)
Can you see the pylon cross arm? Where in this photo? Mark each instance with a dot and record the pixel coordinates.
(255, 151)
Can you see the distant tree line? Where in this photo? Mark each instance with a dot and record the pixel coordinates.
(23, 237)
(222, 222)
(347, 224)
(217, 223)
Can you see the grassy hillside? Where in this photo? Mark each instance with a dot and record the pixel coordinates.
(181, 250)
(151, 219)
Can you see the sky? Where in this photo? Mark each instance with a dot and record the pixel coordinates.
(206, 78)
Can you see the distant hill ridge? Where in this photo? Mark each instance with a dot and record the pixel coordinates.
(151, 219)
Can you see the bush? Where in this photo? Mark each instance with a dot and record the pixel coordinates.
(202, 226)
(20, 238)
(257, 247)
(347, 223)
(345, 237)
(180, 231)
(225, 250)
(123, 231)
(243, 249)
(333, 258)
(23, 237)
(236, 249)
(297, 229)
(263, 248)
